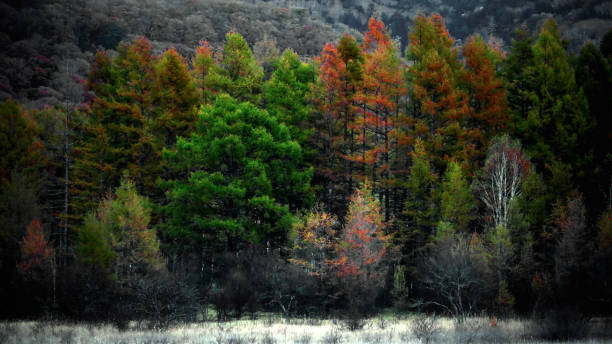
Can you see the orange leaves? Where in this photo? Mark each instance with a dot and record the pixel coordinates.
(35, 248)
(488, 101)
(362, 241)
(203, 49)
(356, 251)
(376, 36)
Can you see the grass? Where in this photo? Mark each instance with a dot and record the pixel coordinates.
(278, 331)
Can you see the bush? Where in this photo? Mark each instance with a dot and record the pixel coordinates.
(424, 328)
(164, 299)
(333, 336)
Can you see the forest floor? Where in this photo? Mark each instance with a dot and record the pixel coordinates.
(299, 331)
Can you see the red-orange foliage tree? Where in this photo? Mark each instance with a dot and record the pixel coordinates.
(360, 250)
(331, 99)
(204, 68)
(488, 111)
(36, 252)
(377, 101)
(441, 106)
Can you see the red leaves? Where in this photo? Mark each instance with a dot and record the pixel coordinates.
(362, 242)
(35, 249)
(376, 35)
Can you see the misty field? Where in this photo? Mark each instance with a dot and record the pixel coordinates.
(298, 331)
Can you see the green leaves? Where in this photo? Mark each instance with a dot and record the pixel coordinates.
(117, 235)
(457, 203)
(287, 95)
(548, 109)
(243, 174)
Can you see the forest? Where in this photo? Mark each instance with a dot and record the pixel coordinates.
(220, 183)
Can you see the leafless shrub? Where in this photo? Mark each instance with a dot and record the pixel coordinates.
(381, 322)
(333, 336)
(424, 328)
(469, 330)
(353, 322)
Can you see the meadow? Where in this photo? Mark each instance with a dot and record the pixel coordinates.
(274, 330)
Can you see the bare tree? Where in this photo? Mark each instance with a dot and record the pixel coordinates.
(453, 271)
(70, 84)
(501, 179)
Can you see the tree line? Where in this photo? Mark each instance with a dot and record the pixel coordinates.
(442, 179)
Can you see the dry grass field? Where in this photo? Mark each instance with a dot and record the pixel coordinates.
(298, 331)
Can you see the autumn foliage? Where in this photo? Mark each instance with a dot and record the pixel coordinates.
(35, 249)
(362, 243)
(450, 163)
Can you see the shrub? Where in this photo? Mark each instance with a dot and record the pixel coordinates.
(353, 320)
(164, 299)
(333, 336)
(469, 330)
(424, 328)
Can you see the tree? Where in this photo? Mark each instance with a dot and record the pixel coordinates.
(453, 271)
(518, 74)
(500, 254)
(175, 97)
(573, 249)
(245, 76)
(377, 102)
(594, 76)
(94, 244)
(121, 223)
(314, 242)
(20, 151)
(551, 122)
(206, 72)
(360, 251)
(440, 106)
(501, 177)
(238, 177)
(36, 251)
(457, 204)
(38, 258)
(363, 242)
(117, 135)
(488, 109)
(420, 214)
(331, 100)
(287, 95)
(606, 44)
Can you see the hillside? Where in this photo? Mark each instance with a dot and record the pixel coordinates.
(579, 20)
(45, 43)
